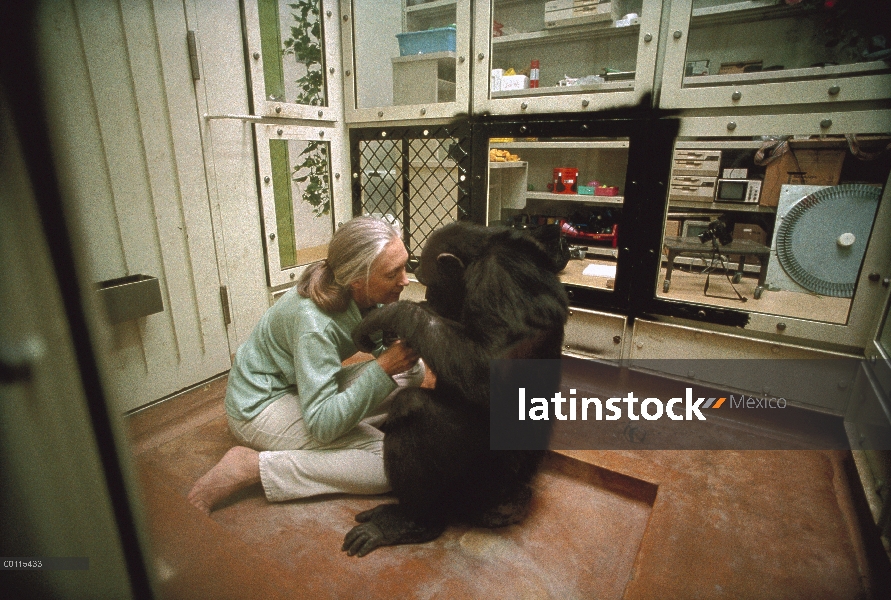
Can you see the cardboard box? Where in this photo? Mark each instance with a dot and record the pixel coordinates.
(799, 166)
(673, 227)
(744, 66)
(746, 231)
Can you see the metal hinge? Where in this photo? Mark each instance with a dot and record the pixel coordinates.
(192, 42)
(224, 301)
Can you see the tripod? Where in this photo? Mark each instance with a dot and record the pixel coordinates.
(716, 254)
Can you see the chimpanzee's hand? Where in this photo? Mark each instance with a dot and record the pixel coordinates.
(399, 318)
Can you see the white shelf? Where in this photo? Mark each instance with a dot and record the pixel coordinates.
(563, 34)
(508, 164)
(601, 200)
(734, 7)
(606, 86)
(561, 145)
(430, 7)
(429, 56)
(732, 206)
(872, 67)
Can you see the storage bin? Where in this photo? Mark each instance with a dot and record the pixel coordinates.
(441, 39)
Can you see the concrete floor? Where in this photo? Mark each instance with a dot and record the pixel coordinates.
(605, 524)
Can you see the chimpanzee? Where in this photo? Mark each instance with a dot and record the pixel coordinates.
(492, 293)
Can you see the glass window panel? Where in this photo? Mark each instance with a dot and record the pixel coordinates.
(404, 52)
(775, 225)
(773, 40)
(301, 177)
(292, 41)
(589, 48)
(577, 184)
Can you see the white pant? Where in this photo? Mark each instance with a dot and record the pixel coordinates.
(294, 465)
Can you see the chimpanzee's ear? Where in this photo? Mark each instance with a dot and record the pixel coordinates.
(450, 264)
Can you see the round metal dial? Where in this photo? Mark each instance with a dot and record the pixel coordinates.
(822, 239)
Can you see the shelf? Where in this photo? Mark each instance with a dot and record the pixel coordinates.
(585, 32)
(725, 206)
(602, 200)
(430, 56)
(508, 164)
(872, 67)
(607, 86)
(745, 12)
(561, 145)
(431, 8)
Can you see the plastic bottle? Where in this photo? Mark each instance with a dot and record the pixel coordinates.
(533, 74)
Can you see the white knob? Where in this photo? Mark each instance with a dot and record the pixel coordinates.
(846, 240)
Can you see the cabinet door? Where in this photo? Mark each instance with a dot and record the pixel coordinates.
(728, 53)
(299, 171)
(588, 181)
(293, 48)
(567, 55)
(405, 59)
(792, 237)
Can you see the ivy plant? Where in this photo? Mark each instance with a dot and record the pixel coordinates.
(305, 45)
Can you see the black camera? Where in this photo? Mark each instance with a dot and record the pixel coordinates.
(719, 230)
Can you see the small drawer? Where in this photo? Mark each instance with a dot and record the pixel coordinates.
(705, 163)
(696, 189)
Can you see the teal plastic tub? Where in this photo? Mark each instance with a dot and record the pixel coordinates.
(441, 39)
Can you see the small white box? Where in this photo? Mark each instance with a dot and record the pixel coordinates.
(735, 173)
(514, 82)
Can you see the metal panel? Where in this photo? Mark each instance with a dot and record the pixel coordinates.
(593, 334)
(653, 340)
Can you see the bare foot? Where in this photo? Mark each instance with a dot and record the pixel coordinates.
(238, 469)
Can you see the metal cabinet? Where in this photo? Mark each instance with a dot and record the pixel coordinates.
(568, 55)
(749, 53)
(405, 59)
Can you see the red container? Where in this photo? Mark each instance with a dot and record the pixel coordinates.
(606, 190)
(566, 180)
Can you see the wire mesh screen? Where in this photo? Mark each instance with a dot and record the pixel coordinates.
(419, 176)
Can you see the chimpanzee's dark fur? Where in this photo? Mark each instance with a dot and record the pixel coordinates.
(491, 293)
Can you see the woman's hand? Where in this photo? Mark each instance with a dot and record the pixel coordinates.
(397, 358)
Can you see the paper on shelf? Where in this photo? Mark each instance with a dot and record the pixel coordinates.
(596, 270)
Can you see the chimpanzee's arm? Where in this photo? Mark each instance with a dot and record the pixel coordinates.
(454, 357)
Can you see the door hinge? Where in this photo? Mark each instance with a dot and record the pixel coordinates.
(224, 301)
(192, 42)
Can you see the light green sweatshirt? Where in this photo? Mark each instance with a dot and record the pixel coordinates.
(297, 348)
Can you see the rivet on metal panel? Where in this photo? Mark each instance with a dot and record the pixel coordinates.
(271, 236)
(321, 112)
(524, 105)
(677, 34)
(321, 134)
(736, 96)
(423, 111)
(347, 72)
(280, 131)
(826, 123)
(266, 179)
(327, 13)
(731, 125)
(781, 326)
(834, 90)
(346, 18)
(585, 103)
(337, 176)
(648, 37)
(617, 339)
(380, 113)
(293, 275)
(331, 70)
(256, 56)
(278, 109)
